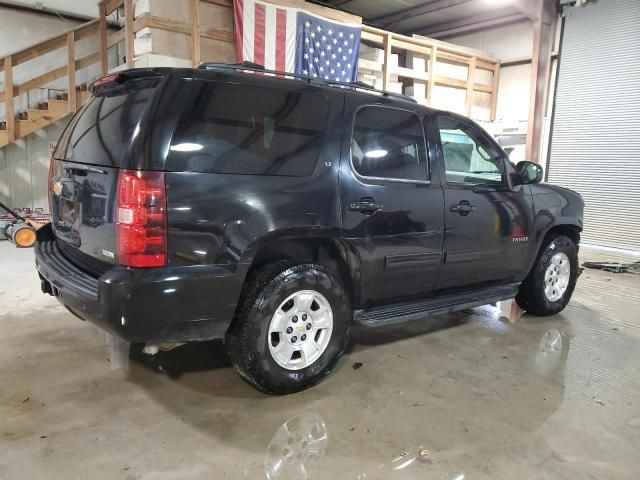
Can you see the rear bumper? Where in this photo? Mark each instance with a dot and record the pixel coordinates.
(172, 304)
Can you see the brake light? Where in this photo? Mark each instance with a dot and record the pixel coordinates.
(103, 81)
(141, 219)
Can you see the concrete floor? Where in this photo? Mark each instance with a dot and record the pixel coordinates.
(468, 396)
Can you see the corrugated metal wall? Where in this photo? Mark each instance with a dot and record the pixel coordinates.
(595, 143)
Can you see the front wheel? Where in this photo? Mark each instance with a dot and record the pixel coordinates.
(293, 325)
(550, 284)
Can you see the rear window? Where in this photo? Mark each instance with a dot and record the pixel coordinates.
(100, 132)
(239, 129)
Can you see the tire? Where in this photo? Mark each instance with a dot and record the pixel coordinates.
(249, 342)
(542, 298)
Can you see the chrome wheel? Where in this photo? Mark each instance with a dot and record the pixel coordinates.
(300, 329)
(557, 276)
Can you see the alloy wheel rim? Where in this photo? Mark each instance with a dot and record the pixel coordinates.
(557, 276)
(300, 329)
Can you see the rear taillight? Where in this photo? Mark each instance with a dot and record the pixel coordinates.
(103, 81)
(141, 219)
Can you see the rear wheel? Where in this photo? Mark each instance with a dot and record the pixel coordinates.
(550, 284)
(293, 325)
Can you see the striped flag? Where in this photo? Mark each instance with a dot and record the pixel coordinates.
(294, 40)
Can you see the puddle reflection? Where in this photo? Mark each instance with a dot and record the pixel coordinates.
(298, 442)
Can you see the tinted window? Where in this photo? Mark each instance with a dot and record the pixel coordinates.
(468, 157)
(101, 131)
(388, 143)
(249, 130)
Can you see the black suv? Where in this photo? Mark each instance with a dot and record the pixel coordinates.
(226, 202)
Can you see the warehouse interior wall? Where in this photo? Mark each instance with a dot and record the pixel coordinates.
(24, 168)
(24, 165)
(512, 45)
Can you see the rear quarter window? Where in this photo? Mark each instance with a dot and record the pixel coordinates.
(240, 129)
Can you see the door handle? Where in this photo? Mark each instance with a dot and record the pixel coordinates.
(366, 206)
(464, 208)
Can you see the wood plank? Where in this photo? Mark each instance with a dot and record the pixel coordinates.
(41, 80)
(152, 21)
(87, 30)
(222, 3)
(115, 38)
(411, 47)
(8, 98)
(370, 36)
(128, 32)
(453, 48)
(39, 49)
(410, 73)
(450, 82)
(386, 66)
(87, 60)
(111, 5)
(455, 83)
(369, 65)
(102, 40)
(453, 58)
(52, 75)
(215, 34)
(432, 74)
(494, 93)
(195, 32)
(484, 65)
(52, 43)
(376, 35)
(71, 70)
(470, 84)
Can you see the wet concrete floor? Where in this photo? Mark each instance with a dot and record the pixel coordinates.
(465, 396)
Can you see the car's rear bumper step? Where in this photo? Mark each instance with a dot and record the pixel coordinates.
(405, 311)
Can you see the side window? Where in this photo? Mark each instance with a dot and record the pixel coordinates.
(240, 129)
(388, 143)
(468, 158)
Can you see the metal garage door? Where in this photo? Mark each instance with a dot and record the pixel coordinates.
(595, 143)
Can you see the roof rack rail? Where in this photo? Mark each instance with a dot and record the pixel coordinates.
(254, 67)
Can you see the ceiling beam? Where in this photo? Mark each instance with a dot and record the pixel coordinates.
(390, 19)
(530, 8)
(461, 26)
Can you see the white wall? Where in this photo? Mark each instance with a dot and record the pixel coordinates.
(21, 29)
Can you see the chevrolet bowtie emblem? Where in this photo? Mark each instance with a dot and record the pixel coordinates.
(57, 188)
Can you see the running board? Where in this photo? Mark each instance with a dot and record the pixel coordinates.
(406, 311)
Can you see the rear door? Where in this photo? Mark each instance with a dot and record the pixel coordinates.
(392, 212)
(487, 223)
(85, 165)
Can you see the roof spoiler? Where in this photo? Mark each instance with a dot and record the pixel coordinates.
(121, 77)
(246, 67)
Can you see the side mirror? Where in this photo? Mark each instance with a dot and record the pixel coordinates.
(528, 172)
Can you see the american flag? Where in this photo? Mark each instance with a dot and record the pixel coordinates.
(293, 40)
